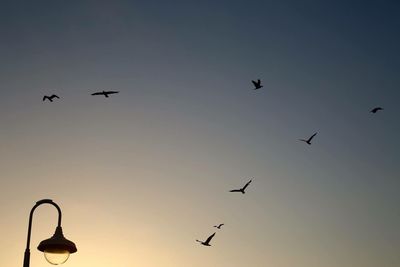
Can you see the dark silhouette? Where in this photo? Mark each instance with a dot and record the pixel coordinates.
(375, 110)
(219, 225)
(241, 189)
(50, 98)
(309, 139)
(257, 84)
(106, 93)
(55, 243)
(207, 242)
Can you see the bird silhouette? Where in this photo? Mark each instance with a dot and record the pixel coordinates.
(308, 141)
(257, 84)
(106, 93)
(219, 225)
(241, 189)
(207, 242)
(50, 98)
(375, 110)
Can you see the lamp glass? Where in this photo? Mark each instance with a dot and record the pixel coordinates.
(56, 256)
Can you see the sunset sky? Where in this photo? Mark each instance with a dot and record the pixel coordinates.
(141, 175)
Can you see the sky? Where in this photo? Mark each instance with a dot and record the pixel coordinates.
(140, 175)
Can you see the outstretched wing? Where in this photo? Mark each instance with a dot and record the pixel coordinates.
(374, 110)
(235, 190)
(312, 136)
(98, 93)
(55, 96)
(246, 185)
(221, 225)
(209, 238)
(255, 83)
(112, 92)
(44, 98)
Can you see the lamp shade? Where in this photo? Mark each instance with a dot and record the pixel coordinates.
(57, 243)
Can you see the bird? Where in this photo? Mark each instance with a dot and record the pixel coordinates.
(106, 93)
(207, 242)
(374, 110)
(241, 189)
(308, 141)
(219, 225)
(257, 84)
(50, 98)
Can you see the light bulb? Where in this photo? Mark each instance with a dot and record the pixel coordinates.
(56, 256)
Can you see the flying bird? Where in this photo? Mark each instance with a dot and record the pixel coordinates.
(207, 242)
(257, 84)
(219, 225)
(308, 141)
(241, 189)
(50, 98)
(374, 110)
(106, 93)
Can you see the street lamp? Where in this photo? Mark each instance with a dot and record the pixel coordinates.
(57, 248)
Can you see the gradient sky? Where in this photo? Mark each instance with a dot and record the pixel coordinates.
(141, 175)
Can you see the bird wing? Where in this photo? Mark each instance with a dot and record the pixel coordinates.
(246, 185)
(312, 136)
(44, 98)
(221, 224)
(98, 93)
(112, 92)
(255, 83)
(259, 82)
(56, 96)
(235, 190)
(209, 238)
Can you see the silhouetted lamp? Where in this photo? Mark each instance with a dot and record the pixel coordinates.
(57, 248)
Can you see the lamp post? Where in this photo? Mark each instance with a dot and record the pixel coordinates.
(57, 248)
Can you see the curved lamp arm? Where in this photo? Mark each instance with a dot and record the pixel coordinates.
(40, 202)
